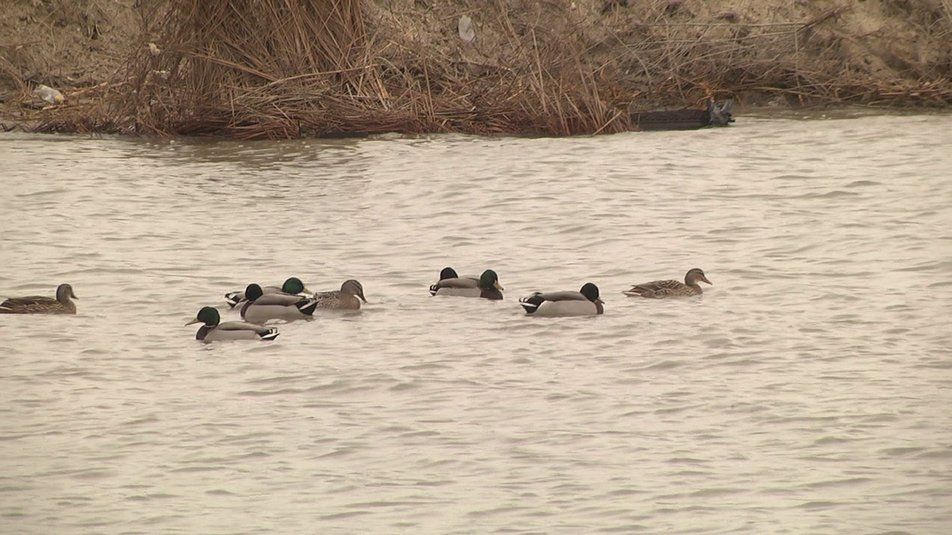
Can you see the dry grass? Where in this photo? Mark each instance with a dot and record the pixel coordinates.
(805, 62)
(290, 68)
(285, 68)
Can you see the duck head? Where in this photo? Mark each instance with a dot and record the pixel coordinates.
(694, 275)
(207, 315)
(64, 292)
(590, 291)
(489, 279)
(253, 291)
(353, 287)
(294, 286)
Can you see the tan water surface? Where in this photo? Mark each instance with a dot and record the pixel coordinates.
(809, 390)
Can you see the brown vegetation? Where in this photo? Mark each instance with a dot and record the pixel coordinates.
(289, 68)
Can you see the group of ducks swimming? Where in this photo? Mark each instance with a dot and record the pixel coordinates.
(584, 302)
(259, 305)
(292, 301)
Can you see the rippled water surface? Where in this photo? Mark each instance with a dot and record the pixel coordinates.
(809, 390)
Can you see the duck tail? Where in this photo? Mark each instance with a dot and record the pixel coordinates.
(531, 303)
(307, 306)
(269, 334)
(232, 298)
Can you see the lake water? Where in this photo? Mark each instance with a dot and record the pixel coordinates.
(809, 390)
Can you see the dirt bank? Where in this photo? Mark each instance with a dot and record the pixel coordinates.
(554, 67)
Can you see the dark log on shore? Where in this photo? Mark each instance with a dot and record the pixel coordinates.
(716, 114)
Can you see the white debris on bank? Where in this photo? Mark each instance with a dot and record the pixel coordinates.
(466, 31)
(49, 94)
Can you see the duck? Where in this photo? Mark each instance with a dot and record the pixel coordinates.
(344, 299)
(486, 286)
(213, 330)
(584, 302)
(671, 288)
(36, 304)
(292, 286)
(260, 307)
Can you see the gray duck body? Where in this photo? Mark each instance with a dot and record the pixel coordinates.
(486, 286)
(261, 308)
(291, 286)
(585, 302)
(213, 330)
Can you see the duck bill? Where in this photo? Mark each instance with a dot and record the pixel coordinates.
(196, 320)
(307, 292)
(498, 286)
(362, 298)
(599, 301)
(707, 281)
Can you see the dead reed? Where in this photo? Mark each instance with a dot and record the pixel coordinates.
(290, 68)
(287, 68)
(803, 62)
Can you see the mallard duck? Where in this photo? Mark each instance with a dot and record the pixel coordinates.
(36, 304)
(292, 286)
(670, 288)
(214, 330)
(584, 302)
(486, 286)
(345, 298)
(260, 308)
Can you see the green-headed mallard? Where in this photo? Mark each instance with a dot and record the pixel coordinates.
(584, 302)
(213, 330)
(36, 304)
(670, 288)
(260, 308)
(292, 286)
(486, 286)
(346, 298)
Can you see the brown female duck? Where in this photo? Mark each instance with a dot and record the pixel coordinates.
(349, 296)
(36, 304)
(670, 288)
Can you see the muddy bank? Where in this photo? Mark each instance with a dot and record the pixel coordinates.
(172, 67)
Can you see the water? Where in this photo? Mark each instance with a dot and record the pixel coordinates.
(807, 391)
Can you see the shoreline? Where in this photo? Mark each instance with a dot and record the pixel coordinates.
(564, 68)
(817, 112)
